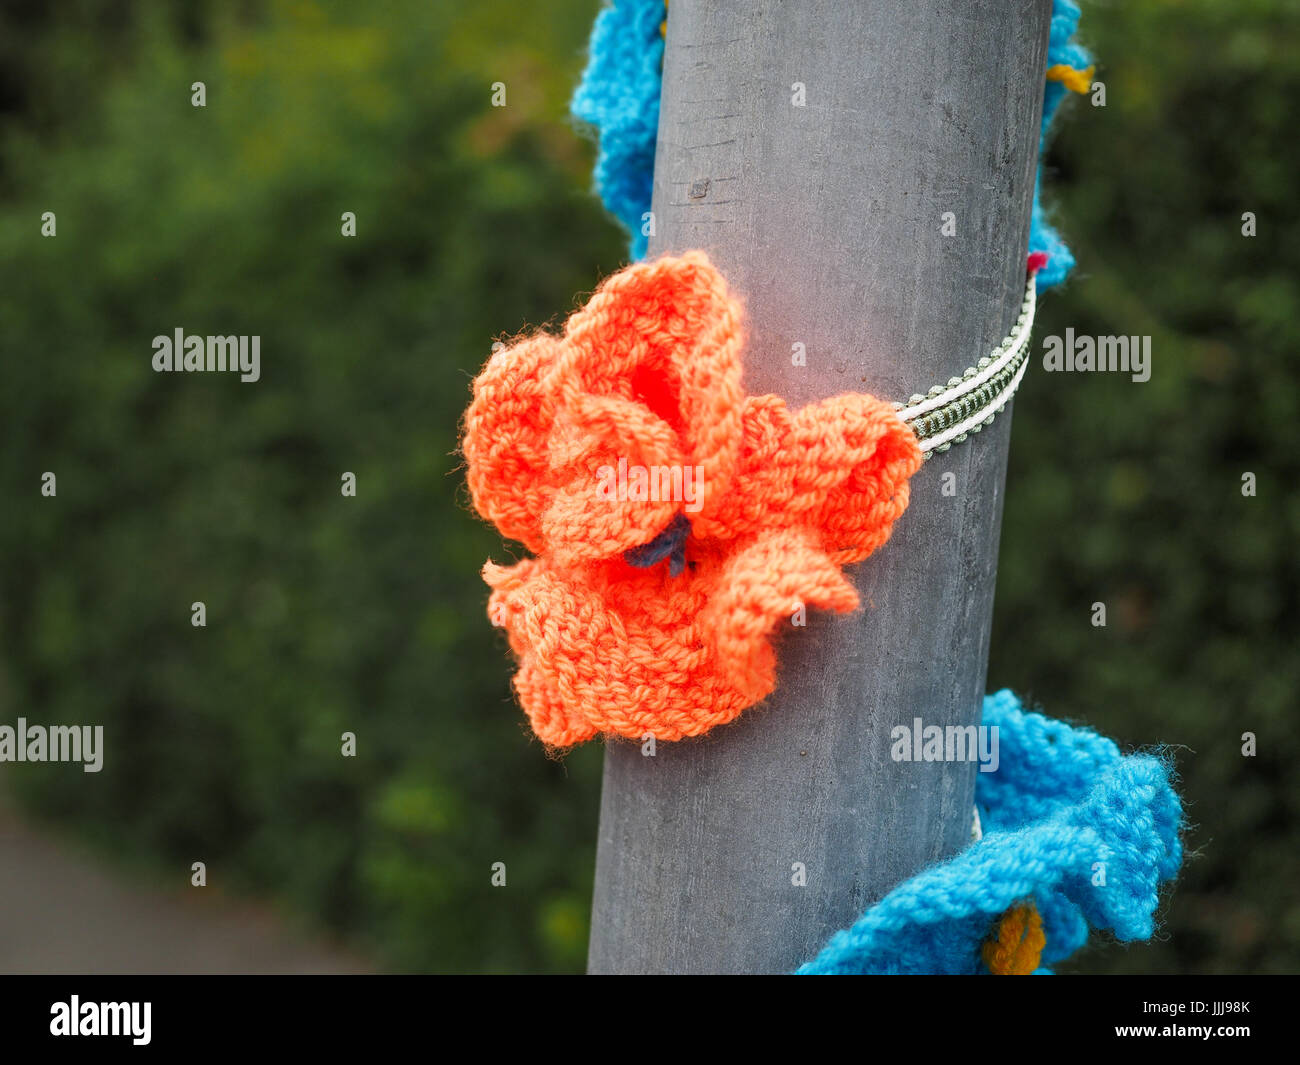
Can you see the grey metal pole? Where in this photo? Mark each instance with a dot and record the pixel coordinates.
(827, 214)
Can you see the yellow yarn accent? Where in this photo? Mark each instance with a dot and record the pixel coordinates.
(1017, 945)
(663, 26)
(1072, 79)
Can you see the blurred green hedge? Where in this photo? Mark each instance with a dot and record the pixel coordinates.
(328, 614)
(1131, 494)
(325, 614)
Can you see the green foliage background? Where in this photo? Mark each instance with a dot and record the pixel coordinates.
(1131, 494)
(328, 614)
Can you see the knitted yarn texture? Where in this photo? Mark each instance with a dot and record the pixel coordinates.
(1068, 70)
(674, 522)
(1083, 833)
(1016, 946)
(620, 88)
(619, 97)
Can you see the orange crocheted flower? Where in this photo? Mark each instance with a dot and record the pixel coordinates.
(675, 521)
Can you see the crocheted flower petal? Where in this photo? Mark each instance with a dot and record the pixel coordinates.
(615, 459)
(1046, 765)
(764, 473)
(505, 441)
(554, 722)
(585, 668)
(1095, 857)
(838, 468)
(854, 485)
(530, 604)
(762, 585)
(610, 650)
(1136, 817)
(667, 335)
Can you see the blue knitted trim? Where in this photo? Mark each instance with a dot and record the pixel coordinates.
(619, 96)
(1087, 833)
(1061, 50)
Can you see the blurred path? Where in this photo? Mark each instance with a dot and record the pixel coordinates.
(64, 912)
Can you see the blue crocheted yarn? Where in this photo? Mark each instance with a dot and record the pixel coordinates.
(1061, 49)
(619, 96)
(1061, 801)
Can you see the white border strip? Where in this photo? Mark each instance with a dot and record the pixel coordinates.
(985, 414)
(1009, 349)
